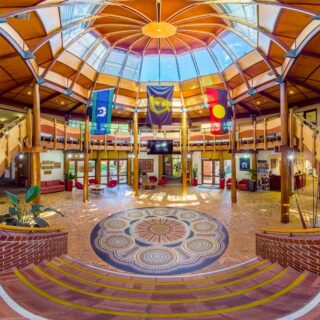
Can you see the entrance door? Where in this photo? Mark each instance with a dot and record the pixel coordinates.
(210, 171)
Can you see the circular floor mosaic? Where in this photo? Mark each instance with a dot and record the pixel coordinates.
(159, 241)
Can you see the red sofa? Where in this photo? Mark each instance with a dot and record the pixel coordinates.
(228, 183)
(52, 186)
(243, 184)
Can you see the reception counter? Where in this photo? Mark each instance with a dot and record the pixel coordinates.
(299, 181)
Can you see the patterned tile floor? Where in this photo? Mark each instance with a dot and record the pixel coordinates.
(252, 211)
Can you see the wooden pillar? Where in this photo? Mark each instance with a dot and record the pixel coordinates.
(55, 134)
(254, 161)
(184, 152)
(129, 170)
(221, 162)
(66, 163)
(284, 165)
(233, 163)
(135, 154)
(65, 136)
(86, 161)
(160, 166)
(98, 167)
(29, 129)
(35, 157)
(292, 128)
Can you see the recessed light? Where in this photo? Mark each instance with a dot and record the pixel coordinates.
(62, 102)
(291, 92)
(258, 102)
(29, 93)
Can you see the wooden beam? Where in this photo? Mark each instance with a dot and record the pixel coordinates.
(78, 105)
(50, 97)
(16, 86)
(303, 85)
(244, 106)
(269, 96)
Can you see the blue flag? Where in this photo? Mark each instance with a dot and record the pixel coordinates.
(160, 105)
(102, 102)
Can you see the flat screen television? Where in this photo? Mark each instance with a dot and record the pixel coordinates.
(160, 147)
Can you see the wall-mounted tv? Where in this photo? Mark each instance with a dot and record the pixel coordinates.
(160, 147)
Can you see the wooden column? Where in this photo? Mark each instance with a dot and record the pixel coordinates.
(86, 161)
(292, 128)
(129, 170)
(184, 134)
(221, 162)
(66, 162)
(135, 154)
(233, 163)
(160, 166)
(55, 134)
(254, 161)
(29, 129)
(284, 165)
(35, 157)
(65, 136)
(98, 167)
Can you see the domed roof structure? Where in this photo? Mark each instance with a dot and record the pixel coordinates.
(73, 47)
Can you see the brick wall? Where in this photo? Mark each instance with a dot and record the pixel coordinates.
(301, 252)
(19, 249)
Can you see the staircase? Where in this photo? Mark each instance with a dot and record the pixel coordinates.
(68, 289)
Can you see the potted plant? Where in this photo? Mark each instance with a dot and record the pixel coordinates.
(195, 175)
(222, 181)
(26, 214)
(253, 180)
(69, 181)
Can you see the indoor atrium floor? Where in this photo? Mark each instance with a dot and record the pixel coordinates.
(242, 220)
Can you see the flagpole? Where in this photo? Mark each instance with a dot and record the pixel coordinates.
(233, 161)
(184, 152)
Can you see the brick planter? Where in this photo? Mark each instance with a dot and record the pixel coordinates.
(19, 249)
(301, 252)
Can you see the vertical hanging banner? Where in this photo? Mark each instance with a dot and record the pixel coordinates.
(102, 103)
(159, 105)
(220, 114)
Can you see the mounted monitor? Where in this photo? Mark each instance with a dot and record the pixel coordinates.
(160, 147)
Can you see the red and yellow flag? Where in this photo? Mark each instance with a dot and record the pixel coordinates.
(218, 108)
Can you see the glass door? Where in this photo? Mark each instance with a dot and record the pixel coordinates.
(210, 171)
(176, 165)
(123, 168)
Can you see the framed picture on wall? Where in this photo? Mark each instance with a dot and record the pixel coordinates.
(146, 165)
(244, 164)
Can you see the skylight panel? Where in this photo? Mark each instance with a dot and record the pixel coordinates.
(131, 70)
(95, 59)
(204, 61)
(187, 67)
(80, 47)
(114, 62)
(150, 68)
(168, 68)
(237, 45)
(222, 56)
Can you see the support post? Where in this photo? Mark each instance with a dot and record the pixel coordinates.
(86, 161)
(35, 157)
(129, 170)
(29, 129)
(265, 142)
(65, 136)
(98, 167)
(160, 166)
(284, 166)
(135, 154)
(55, 134)
(233, 163)
(184, 152)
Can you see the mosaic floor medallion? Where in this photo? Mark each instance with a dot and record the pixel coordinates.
(159, 241)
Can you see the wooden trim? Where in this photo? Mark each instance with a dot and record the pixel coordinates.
(28, 229)
(297, 231)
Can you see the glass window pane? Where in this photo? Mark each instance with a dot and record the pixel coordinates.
(114, 62)
(80, 47)
(238, 46)
(187, 68)
(223, 58)
(131, 70)
(150, 68)
(113, 167)
(122, 167)
(92, 168)
(168, 68)
(204, 62)
(95, 59)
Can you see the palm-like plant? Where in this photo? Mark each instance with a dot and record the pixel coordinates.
(26, 214)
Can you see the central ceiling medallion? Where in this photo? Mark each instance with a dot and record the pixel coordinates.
(159, 30)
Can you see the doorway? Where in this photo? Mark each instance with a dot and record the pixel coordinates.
(172, 166)
(210, 171)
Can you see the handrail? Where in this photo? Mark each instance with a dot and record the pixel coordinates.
(11, 125)
(296, 231)
(28, 229)
(308, 123)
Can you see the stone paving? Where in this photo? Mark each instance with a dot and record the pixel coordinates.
(251, 212)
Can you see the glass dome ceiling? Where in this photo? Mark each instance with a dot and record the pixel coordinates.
(194, 51)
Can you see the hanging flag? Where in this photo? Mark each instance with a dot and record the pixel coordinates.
(159, 105)
(102, 102)
(220, 114)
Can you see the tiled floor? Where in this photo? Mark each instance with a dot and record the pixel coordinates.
(253, 211)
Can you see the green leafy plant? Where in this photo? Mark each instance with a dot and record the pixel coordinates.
(195, 171)
(70, 176)
(253, 174)
(222, 174)
(26, 214)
